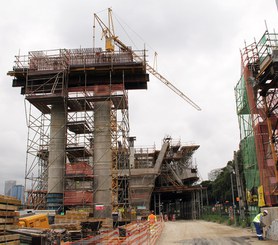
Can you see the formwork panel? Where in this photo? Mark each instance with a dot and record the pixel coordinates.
(80, 168)
(78, 198)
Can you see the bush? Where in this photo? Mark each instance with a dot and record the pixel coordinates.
(218, 216)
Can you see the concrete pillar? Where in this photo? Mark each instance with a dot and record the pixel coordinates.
(102, 160)
(56, 165)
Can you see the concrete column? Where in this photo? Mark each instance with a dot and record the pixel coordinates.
(102, 160)
(56, 165)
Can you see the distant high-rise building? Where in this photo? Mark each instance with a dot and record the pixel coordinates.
(17, 191)
(8, 186)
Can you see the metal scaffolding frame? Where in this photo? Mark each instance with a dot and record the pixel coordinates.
(88, 139)
(44, 78)
(257, 108)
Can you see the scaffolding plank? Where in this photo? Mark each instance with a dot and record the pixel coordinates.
(78, 151)
(80, 104)
(79, 127)
(43, 102)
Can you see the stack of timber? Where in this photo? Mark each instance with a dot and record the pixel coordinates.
(38, 236)
(70, 221)
(79, 224)
(9, 220)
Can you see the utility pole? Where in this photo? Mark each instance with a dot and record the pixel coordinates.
(231, 171)
(233, 196)
(240, 189)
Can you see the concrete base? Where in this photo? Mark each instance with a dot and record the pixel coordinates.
(272, 231)
(271, 221)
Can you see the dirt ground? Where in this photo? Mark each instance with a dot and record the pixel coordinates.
(207, 233)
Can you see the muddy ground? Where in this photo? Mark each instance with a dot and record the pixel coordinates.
(207, 233)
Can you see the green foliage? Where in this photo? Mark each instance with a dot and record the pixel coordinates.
(221, 187)
(220, 190)
(220, 199)
(244, 223)
(208, 185)
(218, 215)
(217, 218)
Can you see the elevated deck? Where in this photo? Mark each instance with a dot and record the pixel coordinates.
(46, 70)
(169, 169)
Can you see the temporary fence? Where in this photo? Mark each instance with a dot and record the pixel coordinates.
(139, 232)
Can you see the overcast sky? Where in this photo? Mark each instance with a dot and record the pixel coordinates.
(197, 42)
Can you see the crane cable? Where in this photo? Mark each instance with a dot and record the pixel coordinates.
(108, 33)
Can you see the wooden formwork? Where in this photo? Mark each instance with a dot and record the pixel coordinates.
(9, 220)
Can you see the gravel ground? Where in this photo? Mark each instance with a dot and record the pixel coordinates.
(207, 233)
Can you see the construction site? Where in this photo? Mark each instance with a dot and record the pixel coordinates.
(83, 169)
(82, 164)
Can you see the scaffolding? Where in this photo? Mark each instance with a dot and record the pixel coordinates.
(257, 109)
(247, 143)
(79, 153)
(77, 114)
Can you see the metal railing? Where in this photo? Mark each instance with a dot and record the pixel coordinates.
(60, 59)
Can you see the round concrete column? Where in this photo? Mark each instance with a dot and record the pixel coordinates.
(56, 165)
(102, 160)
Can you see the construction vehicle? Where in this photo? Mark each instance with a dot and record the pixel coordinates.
(34, 221)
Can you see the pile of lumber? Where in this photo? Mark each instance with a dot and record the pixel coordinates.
(70, 221)
(72, 217)
(75, 219)
(9, 220)
(78, 224)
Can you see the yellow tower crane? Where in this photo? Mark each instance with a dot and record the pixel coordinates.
(111, 40)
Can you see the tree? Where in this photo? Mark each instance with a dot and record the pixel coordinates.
(220, 190)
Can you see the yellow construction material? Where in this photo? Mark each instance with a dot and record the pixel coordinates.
(36, 221)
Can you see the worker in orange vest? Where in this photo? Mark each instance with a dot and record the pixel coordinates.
(152, 218)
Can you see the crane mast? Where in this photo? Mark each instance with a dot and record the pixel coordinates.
(111, 39)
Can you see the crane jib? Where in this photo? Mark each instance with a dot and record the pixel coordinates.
(109, 34)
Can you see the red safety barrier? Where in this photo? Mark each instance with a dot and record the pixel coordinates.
(140, 232)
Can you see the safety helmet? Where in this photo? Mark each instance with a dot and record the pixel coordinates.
(265, 211)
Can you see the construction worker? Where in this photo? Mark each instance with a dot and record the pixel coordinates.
(258, 223)
(152, 218)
